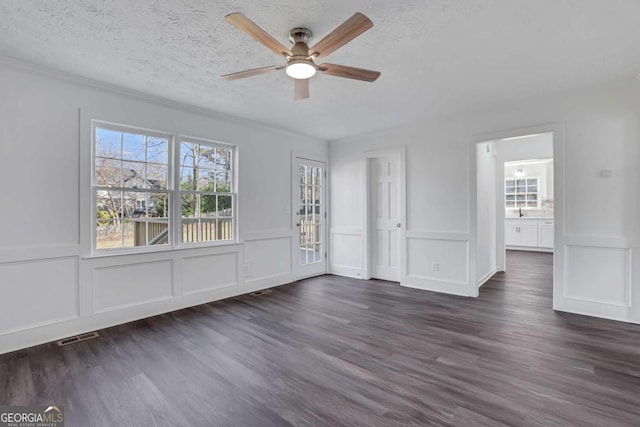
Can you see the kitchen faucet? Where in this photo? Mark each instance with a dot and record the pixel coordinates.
(520, 212)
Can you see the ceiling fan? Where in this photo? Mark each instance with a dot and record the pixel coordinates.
(301, 58)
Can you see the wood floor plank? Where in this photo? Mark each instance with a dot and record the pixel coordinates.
(332, 351)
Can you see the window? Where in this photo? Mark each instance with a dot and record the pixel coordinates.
(205, 192)
(521, 193)
(134, 196)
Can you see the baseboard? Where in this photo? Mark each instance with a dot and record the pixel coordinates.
(345, 271)
(438, 286)
(487, 276)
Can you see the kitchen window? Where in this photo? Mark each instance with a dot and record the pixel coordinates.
(521, 193)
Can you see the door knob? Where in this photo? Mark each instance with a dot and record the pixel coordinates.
(298, 224)
(398, 225)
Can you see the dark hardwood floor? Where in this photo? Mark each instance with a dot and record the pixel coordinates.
(334, 351)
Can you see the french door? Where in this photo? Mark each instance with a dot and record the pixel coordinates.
(310, 217)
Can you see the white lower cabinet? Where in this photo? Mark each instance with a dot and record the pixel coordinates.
(545, 233)
(529, 233)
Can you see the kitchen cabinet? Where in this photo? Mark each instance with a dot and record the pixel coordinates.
(545, 233)
(529, 233)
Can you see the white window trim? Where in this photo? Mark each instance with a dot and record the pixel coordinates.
(87, 182)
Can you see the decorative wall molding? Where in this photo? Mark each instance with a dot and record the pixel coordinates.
(346, 231)
(34, 253)
(437, 235)
(266, 235)
(606, 247)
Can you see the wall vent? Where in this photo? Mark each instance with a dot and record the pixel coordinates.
(77, 338)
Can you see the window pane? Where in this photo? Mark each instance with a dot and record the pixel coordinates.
(156, 177)
(511, 197)
(190, 230)
(533, 197)
(521, 204)
(158, 205)
(107, 172)
(206, 157)
(224, 206)
(308, 174)
(511, 183)
(207, 206)
(317, 253)
(187, 181)
(532, 188)
(108, 143)
(157, 150)
(521, 197)
(188, 153)
(532, 204)
(510, 190)
(157, 231)
(108, 234)
(521, 190)
(133, 175)
(206, 180)
(510, 204)
(317, 175)
(223, 159)
(532, 181)
(190, 208)
(223, 182)
(134, 231)
(133, 147)
(522, 182)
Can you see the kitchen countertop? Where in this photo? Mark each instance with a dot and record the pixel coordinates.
(529, 217)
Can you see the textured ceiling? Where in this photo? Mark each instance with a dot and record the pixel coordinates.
(436, 57)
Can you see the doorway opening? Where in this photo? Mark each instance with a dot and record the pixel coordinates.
(515, 204)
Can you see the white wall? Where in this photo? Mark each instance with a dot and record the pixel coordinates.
(49, 287)
(486, 264)
(601, 131)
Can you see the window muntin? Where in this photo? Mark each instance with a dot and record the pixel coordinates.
(521, 193)
(206, 192)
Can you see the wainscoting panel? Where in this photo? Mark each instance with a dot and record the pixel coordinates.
(126, 285)
(346, 252)
(207, 272)
(441, 260)
(37, 292)
(598, 274)
(268, 258)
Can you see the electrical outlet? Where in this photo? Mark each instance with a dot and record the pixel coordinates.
(435, 266)
(246, 269)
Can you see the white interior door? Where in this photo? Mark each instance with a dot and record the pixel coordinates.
(385, 209)
(309, 216)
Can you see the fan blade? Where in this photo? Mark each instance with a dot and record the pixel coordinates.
(349, 72)
(301, 89)
(349, 30)
(251, 73)
(243, 23)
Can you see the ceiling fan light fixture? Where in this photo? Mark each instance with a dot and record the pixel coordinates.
(300, 69)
